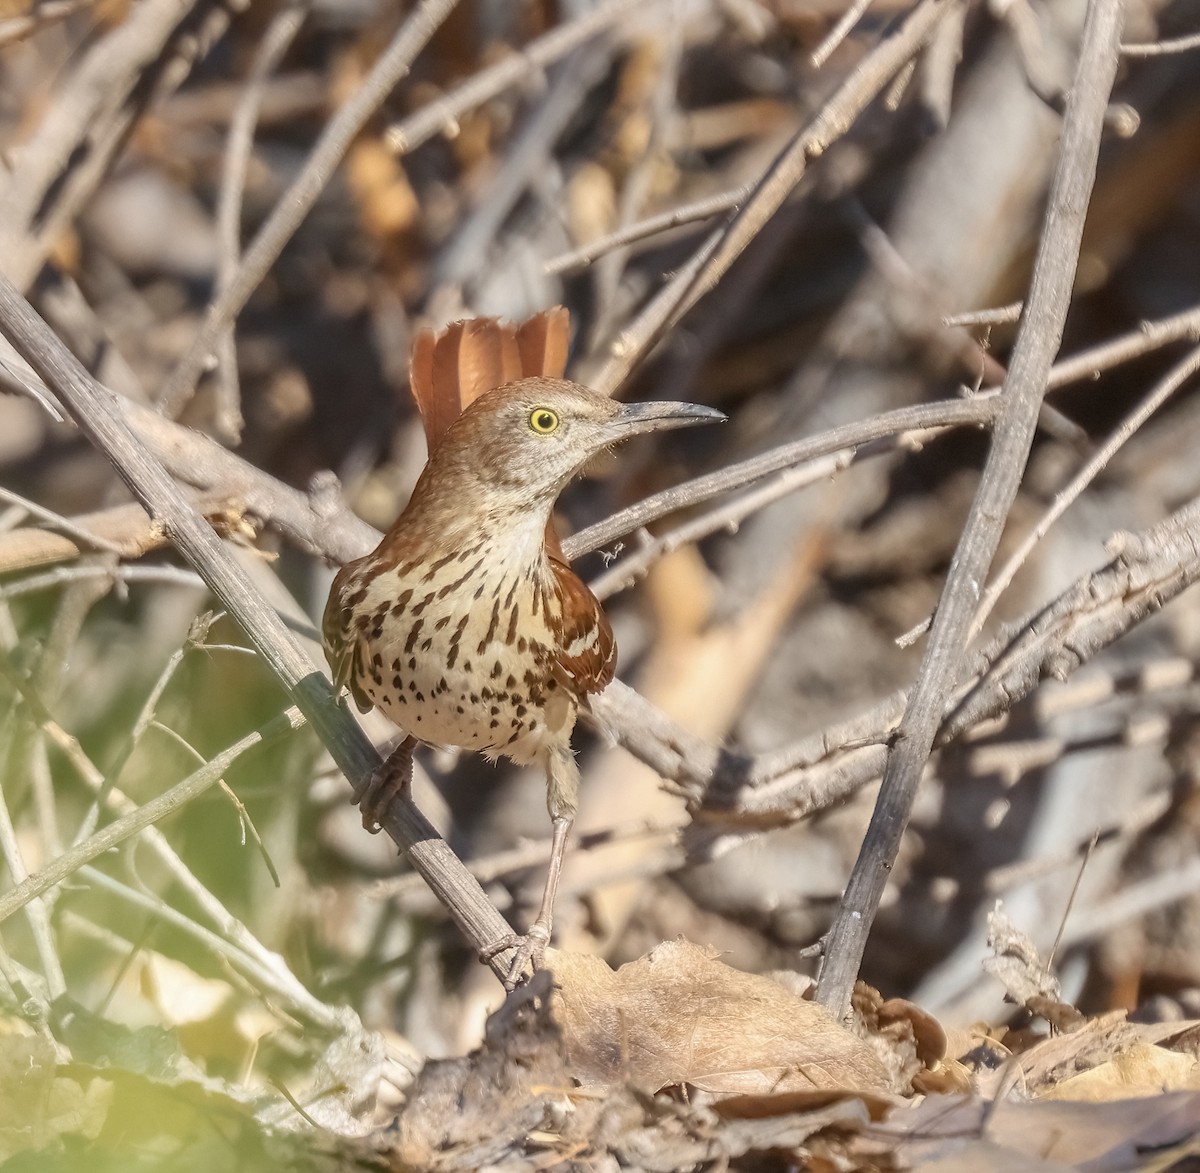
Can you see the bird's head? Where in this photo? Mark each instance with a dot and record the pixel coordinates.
(526, 440)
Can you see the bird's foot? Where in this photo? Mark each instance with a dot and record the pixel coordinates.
(391, 778)
(530, 951)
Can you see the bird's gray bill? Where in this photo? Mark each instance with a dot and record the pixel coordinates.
(658, 416)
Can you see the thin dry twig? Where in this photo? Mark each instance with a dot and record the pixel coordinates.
(1134, 900)
(62, 524)
(123, 575)
(129, 745)
(1161, 48)
(439, 117)
(977, 411)
(1147, 570)
(1156, 397)
(263, 976)
(705, 209)
(124, 530)
(37, 913)
(840, 31)
(999, 316)
(249, 830)
(239, 146)
(1149, 336)
(826, 768)
(526, 159)
(1033, 354)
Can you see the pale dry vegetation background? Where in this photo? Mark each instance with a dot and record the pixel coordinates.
(236, 216)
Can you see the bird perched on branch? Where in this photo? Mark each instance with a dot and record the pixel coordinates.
(465, 626)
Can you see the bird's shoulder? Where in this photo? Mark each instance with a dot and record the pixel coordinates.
(342, 642)
(586, 656)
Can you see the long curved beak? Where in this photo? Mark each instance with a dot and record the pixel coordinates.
(636, 418)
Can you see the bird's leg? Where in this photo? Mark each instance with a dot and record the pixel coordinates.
(563, 793)
(392, 777)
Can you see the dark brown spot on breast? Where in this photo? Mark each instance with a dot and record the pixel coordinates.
(454, 641)
(457, 584)
(434, 567)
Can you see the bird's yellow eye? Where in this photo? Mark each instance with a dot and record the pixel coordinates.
(543, 421)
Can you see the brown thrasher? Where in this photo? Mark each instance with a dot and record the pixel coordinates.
(465, 626)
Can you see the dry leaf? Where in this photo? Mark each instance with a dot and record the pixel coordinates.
(1061, 1056)
(680, 1016)
(178, 993)
(1143, 1070)
(952, 1134)
(38, 1105)
(910, 1043)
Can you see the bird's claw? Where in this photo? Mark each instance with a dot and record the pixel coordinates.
(375, 796)
(390, 779)
(530, 951)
